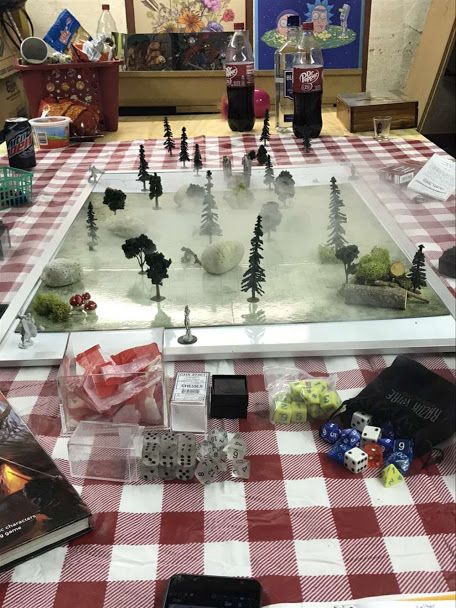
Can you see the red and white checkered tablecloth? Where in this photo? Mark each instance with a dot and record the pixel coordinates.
(304, 526)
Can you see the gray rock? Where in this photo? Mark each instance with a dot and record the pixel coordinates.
(61, 272)
(222, 256)
(125, 227)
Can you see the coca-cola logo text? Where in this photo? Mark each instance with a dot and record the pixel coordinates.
(231, 71)
(309, 76)
(19, 143)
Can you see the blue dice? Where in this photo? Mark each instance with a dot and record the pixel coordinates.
(330, 432)
(337, 452)
(387, 444)
(400, 460)
(404, 445)
(350, 437)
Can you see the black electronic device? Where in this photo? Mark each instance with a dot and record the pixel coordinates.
(192, 591)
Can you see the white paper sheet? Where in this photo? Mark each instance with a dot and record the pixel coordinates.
(436, 179)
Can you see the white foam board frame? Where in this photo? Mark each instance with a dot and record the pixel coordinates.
(428, 334)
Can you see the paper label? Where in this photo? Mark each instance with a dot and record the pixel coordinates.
(239, 74)
(307, 80)
(191, 386)
(288, 84)
(436, 179)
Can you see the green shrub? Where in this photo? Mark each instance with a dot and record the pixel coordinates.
(374, 266)
(60, 312)
(327, 255)
(52, 306)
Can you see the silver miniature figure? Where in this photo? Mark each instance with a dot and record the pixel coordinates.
(188, 337)
(94, 173)
(28, 330)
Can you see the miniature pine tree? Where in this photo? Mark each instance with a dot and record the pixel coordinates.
(268, 173)
(307, 142)
(155, 189)
(336, 218)
(209, 216)
(157, 271)
(183, 155)
(143, 175)
(270, 217)
(91, 227)
(262, 155)
(209, 182)
(169, 143)
(137, 247)
(417, 273)
(197, 160)
(254, 275)
(347, 255)
(115, 199)
(265, 134)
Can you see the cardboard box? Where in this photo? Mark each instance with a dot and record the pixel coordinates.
(7, 55)
(12, 98)
(357, 110)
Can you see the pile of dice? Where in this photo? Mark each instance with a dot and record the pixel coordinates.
(364, 445)
(304, 398)
(169, 455)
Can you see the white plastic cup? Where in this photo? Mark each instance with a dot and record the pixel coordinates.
(51, 132)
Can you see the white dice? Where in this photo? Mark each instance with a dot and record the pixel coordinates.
(360, 420)
(370, 434)
(355, 460)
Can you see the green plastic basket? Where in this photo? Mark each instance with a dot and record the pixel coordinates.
(15, 187)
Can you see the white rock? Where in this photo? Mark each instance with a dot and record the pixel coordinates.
(222, 256)
(61, 272)
(125, 227)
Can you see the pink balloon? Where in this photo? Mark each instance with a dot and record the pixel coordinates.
(262, 102)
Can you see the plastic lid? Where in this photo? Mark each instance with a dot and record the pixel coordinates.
(238, 26)
(293, 21)
(105, 7)
(308, 25)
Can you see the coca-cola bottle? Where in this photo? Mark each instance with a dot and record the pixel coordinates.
(239, 71)
(307, 85)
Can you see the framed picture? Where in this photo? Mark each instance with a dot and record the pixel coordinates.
(341, 27)
(184, 16)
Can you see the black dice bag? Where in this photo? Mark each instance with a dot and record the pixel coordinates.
(420, 404)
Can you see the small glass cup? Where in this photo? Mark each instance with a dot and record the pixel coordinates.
(382, 126)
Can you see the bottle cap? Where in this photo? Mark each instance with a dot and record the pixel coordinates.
(238, 26)
(308, 25)
(105, 7)
(293, 21)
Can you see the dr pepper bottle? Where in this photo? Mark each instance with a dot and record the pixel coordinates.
(17, 134)
(239, 71)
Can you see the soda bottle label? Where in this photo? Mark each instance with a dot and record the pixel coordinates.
(307, 80)
(239, 74)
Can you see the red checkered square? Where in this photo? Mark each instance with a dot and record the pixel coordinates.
(183, 496)
(35, 594)
(265, 495)
(269, 525)
(301, 466)
(444, 547)
(276, 557)
(324, 588)
(399, 520)
(225, 525)
(179, 558)
(332, 469)
(312, 522)
(74, 594)
(429, 488)
(86, 563)
(371, 585)
(368, 555)
(262, 442)
(280, 589)
(422, 582)
(356, 522)
(179, 527)
(137, 529)
(438, 518)
(101, 496)
(264, 468)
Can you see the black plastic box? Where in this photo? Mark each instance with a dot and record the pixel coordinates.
(229, 397)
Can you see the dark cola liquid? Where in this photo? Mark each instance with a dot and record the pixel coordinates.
(241, 113)
(307, 114)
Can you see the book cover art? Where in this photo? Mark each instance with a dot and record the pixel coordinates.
(35, 498)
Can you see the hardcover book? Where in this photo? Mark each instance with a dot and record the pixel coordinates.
(39, 509)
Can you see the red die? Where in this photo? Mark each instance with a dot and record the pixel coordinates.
(374, 454)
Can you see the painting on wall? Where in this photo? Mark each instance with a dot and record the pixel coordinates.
(338, 26)
(187, 16)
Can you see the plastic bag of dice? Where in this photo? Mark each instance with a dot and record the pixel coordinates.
(295, 396)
